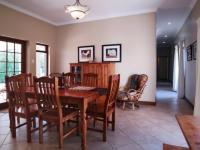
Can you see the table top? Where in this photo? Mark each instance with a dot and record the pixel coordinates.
(190, 126)
(64, 92)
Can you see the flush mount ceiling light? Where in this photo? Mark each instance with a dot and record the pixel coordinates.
(77, 10)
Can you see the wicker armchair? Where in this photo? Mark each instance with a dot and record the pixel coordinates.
(134, 90)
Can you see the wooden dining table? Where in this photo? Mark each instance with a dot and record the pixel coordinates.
(80, 97)
(190, 126)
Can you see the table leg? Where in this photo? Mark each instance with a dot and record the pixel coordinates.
(84, 125)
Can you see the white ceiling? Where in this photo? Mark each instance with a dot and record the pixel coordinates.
(52, 11)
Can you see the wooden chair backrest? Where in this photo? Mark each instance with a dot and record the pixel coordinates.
(90, 79)
(142, 80)
(69, 79)
(113, 88)
(46, 90)
(52, 75)
(28, 78)
(16, 88)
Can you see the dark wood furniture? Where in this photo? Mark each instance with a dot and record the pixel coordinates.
(90, 79)
(69, 79)
(19, 105)
(190, 126)
(173, 147)
(59, 76)
(104, 70)
(104, 107)
(134, 90)
(82, 98)
(50, 108)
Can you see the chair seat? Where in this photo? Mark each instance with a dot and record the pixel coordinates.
(54, 116)
(21, 110)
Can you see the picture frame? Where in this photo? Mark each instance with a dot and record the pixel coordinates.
(86, 53)
(194, 50)
(189, 53)
(111, 53)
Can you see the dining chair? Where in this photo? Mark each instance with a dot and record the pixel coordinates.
(50, 108)
(59, 76)
(19, 105)
(105, 106)
(69, 79)
(90, 79)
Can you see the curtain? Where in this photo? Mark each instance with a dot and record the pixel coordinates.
(197, 96)
(176, 70)
(181, 76)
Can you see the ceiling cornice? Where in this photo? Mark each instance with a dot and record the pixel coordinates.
(107, 17)
(24, 11)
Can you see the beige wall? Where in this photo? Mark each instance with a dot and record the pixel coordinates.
(188, 33)
(197, 95)
(17, 25)
(137, 34)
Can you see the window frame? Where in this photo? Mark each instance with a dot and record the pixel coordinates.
(23, 59)
(47, 56)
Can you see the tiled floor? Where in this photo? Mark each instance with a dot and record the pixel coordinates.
(144, 129)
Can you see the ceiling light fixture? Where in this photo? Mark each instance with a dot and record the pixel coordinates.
(166, 36)
(77, 10)
(164, 42)
(169, 23)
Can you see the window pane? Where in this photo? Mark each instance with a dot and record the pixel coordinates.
(2, 56)
(2, 46)
(11, 74)
(3, 66)
(41, 66)
(10, 57)
(10, 47)
(11, 67)
(17, 67)
(40, 47)
(2, 77)
(17, 57)
(16, 73)
(18, 48)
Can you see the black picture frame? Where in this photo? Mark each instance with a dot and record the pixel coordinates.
(112, 53)
(194, 50)
(189, 53)
(86, 53)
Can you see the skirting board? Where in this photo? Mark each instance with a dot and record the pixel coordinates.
(147, 103)
(3, 106)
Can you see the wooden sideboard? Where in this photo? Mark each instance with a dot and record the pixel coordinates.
(103, 70)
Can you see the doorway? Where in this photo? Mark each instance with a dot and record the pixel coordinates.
(12, 62)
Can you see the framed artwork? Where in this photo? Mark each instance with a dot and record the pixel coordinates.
(189, 53)
(194, 50)
(111, 53)
(86, 53)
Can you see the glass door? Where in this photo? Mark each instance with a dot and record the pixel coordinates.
(11, 63)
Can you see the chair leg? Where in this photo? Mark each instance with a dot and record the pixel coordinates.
(34, 122)
(78, 126)
(104, 128)
(113, 121)
(61, 135)
(12, 125)
(40, 130)
(123, 105)
(28, 129)
(18, 120)
(94, 122)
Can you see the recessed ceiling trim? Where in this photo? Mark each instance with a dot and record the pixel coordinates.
(108, 17)
(24, 11)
